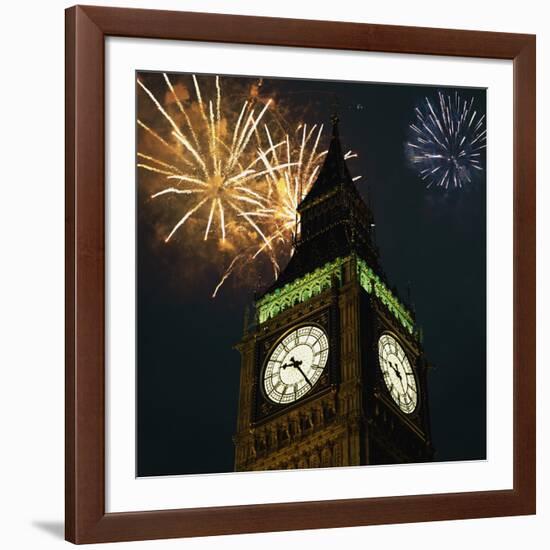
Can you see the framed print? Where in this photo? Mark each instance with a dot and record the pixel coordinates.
(300, 265)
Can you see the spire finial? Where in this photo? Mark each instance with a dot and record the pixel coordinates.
(334, 118)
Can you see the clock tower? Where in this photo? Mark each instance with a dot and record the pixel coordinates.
(332, 368)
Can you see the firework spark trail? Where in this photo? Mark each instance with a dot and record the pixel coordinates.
(227, 273)
(176, 191)
(173, 169)
(188, 214)
(352, 155)
(447, 139)
(161, 140)
(182, 110)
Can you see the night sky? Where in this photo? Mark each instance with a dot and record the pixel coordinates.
(431, 241)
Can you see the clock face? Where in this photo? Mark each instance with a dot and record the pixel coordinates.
(295, 365)
(398, 374)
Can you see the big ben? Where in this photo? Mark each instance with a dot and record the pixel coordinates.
(333, 371)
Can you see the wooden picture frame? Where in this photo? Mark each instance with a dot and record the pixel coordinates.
(86, 30)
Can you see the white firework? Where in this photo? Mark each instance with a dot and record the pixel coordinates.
(447, 141)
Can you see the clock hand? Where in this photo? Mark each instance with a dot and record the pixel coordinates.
(293, 363)
(304, 375)
(399, 375)
(296, 364)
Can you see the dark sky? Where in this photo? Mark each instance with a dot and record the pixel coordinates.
(431, 241)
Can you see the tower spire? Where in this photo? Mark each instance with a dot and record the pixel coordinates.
(334, 171)
(334, 219)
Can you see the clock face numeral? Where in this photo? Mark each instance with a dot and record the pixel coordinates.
(398, 374)
(295, 364)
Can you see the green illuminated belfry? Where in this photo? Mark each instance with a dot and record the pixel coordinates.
(334, 220)
(335, 225)
(333, 372)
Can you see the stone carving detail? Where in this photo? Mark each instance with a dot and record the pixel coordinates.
(273, 439)
(337, 454)
(294, 428)
(321, 456)
(326, 457)
(314, 460)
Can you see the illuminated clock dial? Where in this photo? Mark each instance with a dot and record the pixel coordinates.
(295, 364)
(398, 374)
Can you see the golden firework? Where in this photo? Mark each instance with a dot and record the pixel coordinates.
(234, 167)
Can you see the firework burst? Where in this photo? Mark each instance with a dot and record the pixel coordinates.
(232, 167)
(447, 142)
(216, 166)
